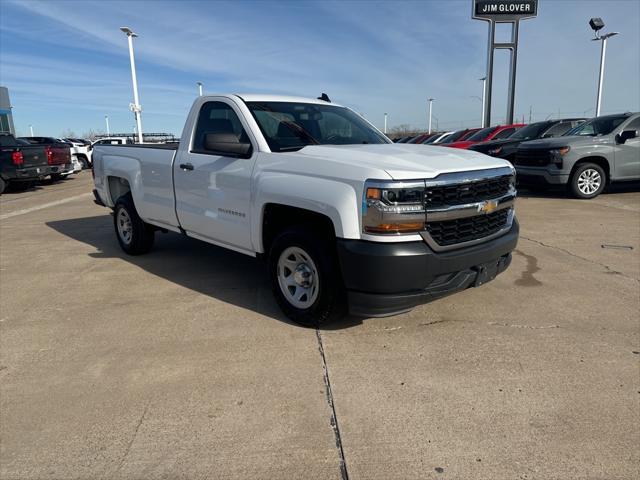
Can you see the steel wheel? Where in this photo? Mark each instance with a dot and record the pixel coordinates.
(298, 277)
(125, 228)
(589, 181)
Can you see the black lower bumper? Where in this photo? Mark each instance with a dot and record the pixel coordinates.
(384, 279)
(27, 174)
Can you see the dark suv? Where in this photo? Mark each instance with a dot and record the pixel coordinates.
(506, 148)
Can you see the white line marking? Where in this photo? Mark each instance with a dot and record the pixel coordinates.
(44, 205)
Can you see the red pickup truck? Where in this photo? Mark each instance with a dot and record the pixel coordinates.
(486, 134)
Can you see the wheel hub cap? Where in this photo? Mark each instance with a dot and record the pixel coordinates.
(298, 277)
(589, 181)
(125, 229)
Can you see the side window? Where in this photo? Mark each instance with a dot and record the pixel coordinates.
(504, 133)
(217, 117)
(633, 125)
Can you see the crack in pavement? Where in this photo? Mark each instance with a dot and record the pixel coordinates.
(593, 262)
(135, 434)
(344, 474)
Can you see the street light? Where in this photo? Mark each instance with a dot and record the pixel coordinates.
(596, 25)
(430, 109)
(106, 119)
(31, 129)
(135, 107)
(385, 123)
(199, 87)
(484, 95)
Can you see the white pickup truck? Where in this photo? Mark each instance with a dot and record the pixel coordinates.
(344, 217)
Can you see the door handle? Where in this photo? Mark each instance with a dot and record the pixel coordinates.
(186, 166)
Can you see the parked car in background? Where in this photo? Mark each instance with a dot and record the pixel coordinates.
(595, 153)
(113, 141)
(338, 211)
(443, 138)
(58, 154)
(506, 148)
(486, 134)
(432, 138)
(403, 139)
(21, 163)
(422, 137)
(80, 150)
(458, 135)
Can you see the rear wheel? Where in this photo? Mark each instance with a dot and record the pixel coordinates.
(588, 181)
(304, 277)
(3, 185)
(134, 235)
(56, 177)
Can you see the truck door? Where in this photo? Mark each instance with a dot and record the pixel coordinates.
(627, 154)
(213, 192)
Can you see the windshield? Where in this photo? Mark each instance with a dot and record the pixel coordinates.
(289, 126)
(598, 126)
(530, 132)
(481, 134)
(454, 136)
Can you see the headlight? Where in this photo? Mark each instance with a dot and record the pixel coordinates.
(393, 207)
(494, 151)
(557, 154)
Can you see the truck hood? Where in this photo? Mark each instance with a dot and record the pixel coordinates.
(405, 161)
(558, 142)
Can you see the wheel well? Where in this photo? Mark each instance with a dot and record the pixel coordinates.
(278, 217)
(600, 161)
(118, 186)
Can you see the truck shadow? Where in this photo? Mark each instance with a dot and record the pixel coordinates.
(228, 276)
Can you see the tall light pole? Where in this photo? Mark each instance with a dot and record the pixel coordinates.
(484, 96)
(385, 123)
(31, 129)
(135, 107)
(430, 110)
(597, 24)
(106, 120)
(199, 87)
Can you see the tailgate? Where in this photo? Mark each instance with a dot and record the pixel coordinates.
(59, 155)
(33, 156)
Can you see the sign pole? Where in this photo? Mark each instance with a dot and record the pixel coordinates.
(489, 86)
(512, 71)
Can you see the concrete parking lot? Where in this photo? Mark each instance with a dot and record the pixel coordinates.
(178, 364)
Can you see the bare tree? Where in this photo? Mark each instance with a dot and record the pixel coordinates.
(68, 133)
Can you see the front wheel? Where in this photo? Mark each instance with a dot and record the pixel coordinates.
(134, 235)
(588, 181)
(304, 277)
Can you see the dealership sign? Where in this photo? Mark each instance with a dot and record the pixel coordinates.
(504, 10)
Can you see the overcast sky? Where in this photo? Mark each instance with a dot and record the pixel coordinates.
(66, 63)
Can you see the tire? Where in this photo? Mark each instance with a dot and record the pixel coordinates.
(587, 181)
(134, 235)
(55, 177)
(297, 256)
(3, 185)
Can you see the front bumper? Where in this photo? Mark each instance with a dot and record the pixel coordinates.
(385, 279)
(540, 175)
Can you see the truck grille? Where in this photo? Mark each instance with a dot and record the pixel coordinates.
(530, 157)
(460, 194)
(451, 232)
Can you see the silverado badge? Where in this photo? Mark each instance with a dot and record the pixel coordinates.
(488, 206)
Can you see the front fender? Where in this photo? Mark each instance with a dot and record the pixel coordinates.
(334, 199)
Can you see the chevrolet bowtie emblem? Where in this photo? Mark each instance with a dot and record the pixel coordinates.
(488, 206)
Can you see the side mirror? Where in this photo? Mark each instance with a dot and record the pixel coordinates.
(226, 144)
(625, 135)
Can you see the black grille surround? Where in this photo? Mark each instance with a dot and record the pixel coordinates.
(451, 232)
(532, 157)
(462, 193)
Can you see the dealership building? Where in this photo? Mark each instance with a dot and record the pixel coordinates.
(6, 119)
